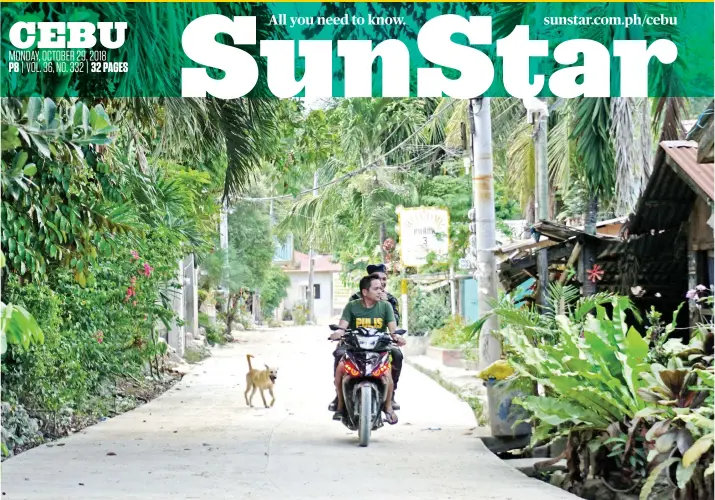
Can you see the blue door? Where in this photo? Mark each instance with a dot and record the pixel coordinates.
(468, 288)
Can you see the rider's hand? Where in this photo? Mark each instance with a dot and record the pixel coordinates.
(383, 296)
(399, 340)
(337, 335)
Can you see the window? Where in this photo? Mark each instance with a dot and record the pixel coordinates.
(316, 292)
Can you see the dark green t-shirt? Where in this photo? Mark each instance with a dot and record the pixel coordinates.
(377, 316)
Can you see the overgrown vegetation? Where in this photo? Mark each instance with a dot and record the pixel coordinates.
(95, 220)
(608, 392)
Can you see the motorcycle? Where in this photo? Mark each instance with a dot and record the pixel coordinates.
(367, 359)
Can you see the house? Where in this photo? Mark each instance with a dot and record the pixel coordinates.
(663, 249)
(330, 296)
(325, 273)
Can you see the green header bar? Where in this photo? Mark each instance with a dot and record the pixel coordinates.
(101, 57)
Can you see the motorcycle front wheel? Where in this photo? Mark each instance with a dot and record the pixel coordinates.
(365, 423)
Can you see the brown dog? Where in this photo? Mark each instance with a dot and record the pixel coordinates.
(260, 379)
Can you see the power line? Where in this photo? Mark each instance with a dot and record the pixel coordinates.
(355, 172)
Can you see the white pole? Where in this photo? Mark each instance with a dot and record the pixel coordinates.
(485, 228)
(311, 260)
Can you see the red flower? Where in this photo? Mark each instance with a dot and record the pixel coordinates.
(147, 269)
(131, 292)
(595, 274)
(99, 336)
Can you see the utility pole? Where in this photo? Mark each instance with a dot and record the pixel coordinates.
(311, 259)
(484, 227)
(223, 242)
(540, 120)
(452, 292)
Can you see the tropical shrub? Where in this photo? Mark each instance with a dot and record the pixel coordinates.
(680, 417)
(607, 393)
(19, 430)
(455, 334)
(592, 372)
(273, 290)
(428, 310)
(299, 314)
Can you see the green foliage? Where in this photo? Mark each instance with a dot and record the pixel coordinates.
(19, 430)
(454, 334)
(428, 311)
(94, 333)
(592, 372)
(250, 238)
(299, 314)
(98, 208)
(18, 327)
(214, 336)
(605, 392)
(274, 289)
(56, 186)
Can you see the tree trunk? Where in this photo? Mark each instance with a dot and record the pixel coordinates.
(530, 216)
(591, 215)
(588, 255)
(383, 237)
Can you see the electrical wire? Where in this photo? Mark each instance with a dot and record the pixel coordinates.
(355, 172)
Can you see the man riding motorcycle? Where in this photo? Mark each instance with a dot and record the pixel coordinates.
(397, 357)
(368, 312)
(381, 271)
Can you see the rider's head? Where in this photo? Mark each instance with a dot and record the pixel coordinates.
(371, 287)
(380, 271)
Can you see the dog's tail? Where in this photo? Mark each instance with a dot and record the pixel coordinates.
(248, 358)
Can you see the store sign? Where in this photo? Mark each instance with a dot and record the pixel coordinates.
(423, 231)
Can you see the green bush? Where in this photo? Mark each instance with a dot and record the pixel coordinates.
(274, 289)
(428, 310)
(300, 314)
(455, 334)
(19, 430)
(93, 333)
(214, 336)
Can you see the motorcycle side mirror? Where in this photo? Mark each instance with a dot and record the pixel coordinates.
(400, 332)
(334, 327)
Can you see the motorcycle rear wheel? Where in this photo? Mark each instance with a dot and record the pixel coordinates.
(365, 423)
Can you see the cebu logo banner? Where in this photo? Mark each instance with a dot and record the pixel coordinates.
(55, 44)
(279, 50)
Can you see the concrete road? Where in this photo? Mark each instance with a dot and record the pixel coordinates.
(201, 441)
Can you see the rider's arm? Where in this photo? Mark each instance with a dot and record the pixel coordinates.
(392, 326)
(338, 334)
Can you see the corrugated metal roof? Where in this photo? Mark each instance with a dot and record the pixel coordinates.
(685, 154)
(668, 198)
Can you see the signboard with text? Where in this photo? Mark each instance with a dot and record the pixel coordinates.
(424, 231)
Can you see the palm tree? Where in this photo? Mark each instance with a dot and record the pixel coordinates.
(197, 130)
(366, 179)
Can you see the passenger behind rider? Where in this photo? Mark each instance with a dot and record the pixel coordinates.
(368, 312)
(397, 357)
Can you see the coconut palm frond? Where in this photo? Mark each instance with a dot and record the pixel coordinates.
(668, 116)
(593, 143)
(628, 168)
(645, 148)
(521, 161)
(559, 153)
